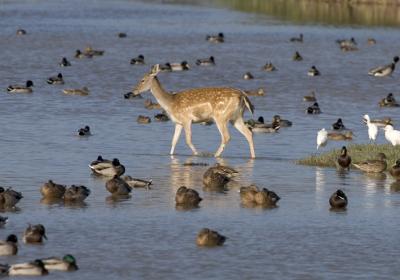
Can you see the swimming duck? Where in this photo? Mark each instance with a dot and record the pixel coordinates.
(3, 220)
(52, 190)
(218, 176)
(122, 35)
(76, 193)
(109, 170)
(35, 268)
(281, 122)
(382, 71)
(392, 135)
(79, 54)
(150, 105)
(261, 127)
(372, 128)
(257, 92)
(371, 41)
(139, 60)
(67, 263)
(161, 117)
(266, 197)
(313, 71)
(56, 80)
(314, 109)
(137, 183)
(100, 163)
(183, 66)
(310, 98)
(187, 197)
(219, 38)
(346, 43)
(143, 119)
(395, 170)
(130, 94)
(388, 101)
(339, 136)
(297, 56)
(247, 194)
(92, 52)
(338, 125)
(248, 76)
(21, 32)
(373, 166)
(9, 246)
(206, 61)
(209, 238)
(338, 200)
(34, 234)
(9, 198)
(344, 160)
(64, 62)
(117, 186)
(322, 138)
(297, 39)
(83, 92)
(21, 89)
(269, 67)
(84, 131)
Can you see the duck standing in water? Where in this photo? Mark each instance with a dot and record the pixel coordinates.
(373, 165)
(382, 71)
(76, 193)
(217, 177)
(219, 38)
(107, 169)
(388, 101)
(313, 71)
(313, 109)
(338, 200)
(206, 61)
(338, 125)
(52, 190)
(34, 234)
(84, 131)
(117, 186)
(344, 160)
(64, 62)
(172, 67)
(139, 60)
(209, 238)
(187, 197)
(20, 88)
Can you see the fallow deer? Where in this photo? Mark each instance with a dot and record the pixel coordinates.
(221, 104)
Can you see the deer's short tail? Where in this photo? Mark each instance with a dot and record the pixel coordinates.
(248, 103)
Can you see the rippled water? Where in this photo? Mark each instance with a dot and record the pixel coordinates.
(145, 237)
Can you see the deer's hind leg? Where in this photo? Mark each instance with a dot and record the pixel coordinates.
(225, 136)
(240, 125)
(188, 135)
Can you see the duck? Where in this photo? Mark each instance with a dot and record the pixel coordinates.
(371, 41)
(143, 119)
(79, 54)
(322, 138)
(161, 117)
(346, 42)
(150, 105)
(21, 31)
(297, 39)
(64, 62)
(108, 170)
(84, 131)
(187, 197)
(130, 95)
(297, 56)
(27, 88)
(56, 80)
(9, 246)
(83, 91)
(76, 193)
(339, 136)
(372, 128)
(313, 71)
(281, 122)
(217, 177)
(247, 194)
(257, 92)
(261, 127)
(373, 166)
(338, 125)
(92, 52)
(219, 38)
(248, 76)
(3, 221)
(34, 234)
(344, 160)
(183, 66)
(266, 197)
(338, 200)
(122, 35)
(395, 170)
(9, 198)
(100, 163)
(382, 71)
(269, 67)
(310, 98)
(67, 263)
(137, 183)
(392, 135)
(35, 268)
(117, 186)
(313, 109)
(52, 190)
(209, 238)
(382, 122)
(206, 61)
(388, 101)
(139, 60)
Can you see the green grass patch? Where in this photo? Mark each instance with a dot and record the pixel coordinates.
(358, 153)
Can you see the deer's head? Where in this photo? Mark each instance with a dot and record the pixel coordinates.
(145, 83)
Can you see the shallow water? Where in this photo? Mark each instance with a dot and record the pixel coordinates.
(145, 237)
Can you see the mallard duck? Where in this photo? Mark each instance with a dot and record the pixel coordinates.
(52, 190)
(92, 52)
(395, 170)
(21, 89)
(281, 122)
(372, 128)
(371, 41)
(247, 194)
(161, 117)
(105, 169)
(34, 234)
(257, 92)
(76, 193)
(137, 183)
(216, 178)
(206, 61)
(266, 198)
(9, 246)
(388, 101)
(139, 60)
(344, 160)
(9, 198)
(248, 76)
(183, 66)
(313, 71)
(79, 54)
(219, 38)
(100, 163)
(338, 200)
(187, 197)
(310, 98)
(260, 126)
(269, 67)
(322, 138)
(143, 119)
(67, 263)
(209, 238)
(338, 125)
(83, 92)
(3, 221)
(122, 35)
(297, 39)
(84, 131)
(64, 62)
(314, 109)
(117, 186)
(21, 32)
(392, 135)
(150, 105)
(340, 136)
(374, 165)
(56, 80)
(35, 268)
(382, 71)
(297, 56)
(346, 43)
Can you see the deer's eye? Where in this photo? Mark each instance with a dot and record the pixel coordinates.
(142, 81)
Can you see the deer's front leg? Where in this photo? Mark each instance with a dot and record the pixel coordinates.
(225, 137)
(188, 134)
(175, 138)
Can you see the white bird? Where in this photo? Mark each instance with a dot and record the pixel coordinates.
(372, 128)
(393, 136)
(322, 138)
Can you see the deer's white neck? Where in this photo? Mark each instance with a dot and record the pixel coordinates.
(163, 97)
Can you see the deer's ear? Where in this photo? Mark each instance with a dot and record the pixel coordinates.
(155, 69)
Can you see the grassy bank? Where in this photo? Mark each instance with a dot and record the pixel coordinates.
(358, 153)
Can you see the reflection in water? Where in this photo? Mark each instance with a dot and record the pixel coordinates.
(395, 186)
(113, 200)
(319, 179)
(51, 201)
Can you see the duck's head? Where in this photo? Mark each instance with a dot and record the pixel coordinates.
(212, 59)
(78, 52)
(40, 228)
(339, 121)
(12, 238)
(38, 263)
(261, 119)
(29, 83)
(395, 59)
(185, 65)
(273, 196)
(316, 104)
(381, 156)
(221, 35)
(69, 259)
(116, 162)
(390, 95)
(344, 151)
(100, 158)
(59, 75)
(87, 128)
(341, 194)
(140, 56)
